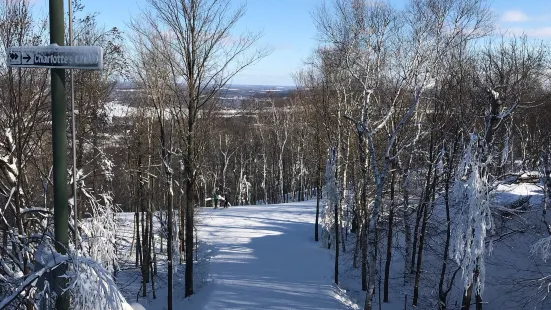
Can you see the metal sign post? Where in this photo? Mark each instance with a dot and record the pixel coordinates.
(59, 148)
(58, 58)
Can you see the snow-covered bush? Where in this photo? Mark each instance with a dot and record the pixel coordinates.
(89, 284)
(89, 265)
(98, 232)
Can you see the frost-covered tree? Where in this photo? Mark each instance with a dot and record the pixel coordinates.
(331, 197)
(474, 222)
(244, 191)
(510, 68)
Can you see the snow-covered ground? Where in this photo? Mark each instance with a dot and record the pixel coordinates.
(264, 257)
(256, 257)
(516, 278)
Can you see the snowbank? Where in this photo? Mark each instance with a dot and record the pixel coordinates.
(133, 306)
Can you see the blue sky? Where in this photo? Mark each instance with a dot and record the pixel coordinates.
(287, 27)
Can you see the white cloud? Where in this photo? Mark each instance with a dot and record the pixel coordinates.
(514, 16)
(539, 32)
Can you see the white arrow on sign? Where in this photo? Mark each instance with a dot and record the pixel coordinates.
(54, 56)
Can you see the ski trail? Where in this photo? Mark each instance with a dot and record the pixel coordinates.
(264, 257)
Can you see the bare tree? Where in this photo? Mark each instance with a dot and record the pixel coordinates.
(203, 55)
(23, 115)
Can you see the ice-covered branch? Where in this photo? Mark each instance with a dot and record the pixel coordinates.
(31, 279)
(542, 247)
(405, 118)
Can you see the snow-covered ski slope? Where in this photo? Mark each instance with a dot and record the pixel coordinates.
(264, 257)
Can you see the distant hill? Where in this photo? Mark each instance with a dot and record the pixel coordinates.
(231, 95)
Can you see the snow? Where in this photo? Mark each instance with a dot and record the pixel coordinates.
(506, 194)
(264, 257)
(495, 94)
(118, 109)
(115, 109)
(132, 306)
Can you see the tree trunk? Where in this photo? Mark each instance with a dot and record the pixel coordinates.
(363, 244)
(139, 255)
(189, 173)
(407, 245)
(357, 246)
(372, 240)
(418, 216)
(137, 234)
(364, 217)
(429, 194)
(318, 198)
(166, 157)
(189, 240)
(466, 303)
(406, 215)
(389, 238)
(264, 178)
(442, 294)
(344, 186)
(169, 245)
(280, 176)
(425, 207)
(478, 299)
(337, 243)
(145, 238)
(181, 222)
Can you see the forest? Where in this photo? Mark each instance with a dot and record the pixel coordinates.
(402, 129)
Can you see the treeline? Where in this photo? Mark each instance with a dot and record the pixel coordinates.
(259, 153)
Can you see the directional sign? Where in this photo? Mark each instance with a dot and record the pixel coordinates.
(55, 56)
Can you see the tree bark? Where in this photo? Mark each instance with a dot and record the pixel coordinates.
(429, 192)
(389, 238)
(449, 158)
(189, 173)
(169, 245)
(318, 198)
(337, 243)
(425, 207)
(372, 240)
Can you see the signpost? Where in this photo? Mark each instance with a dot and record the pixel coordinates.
(58, 58)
